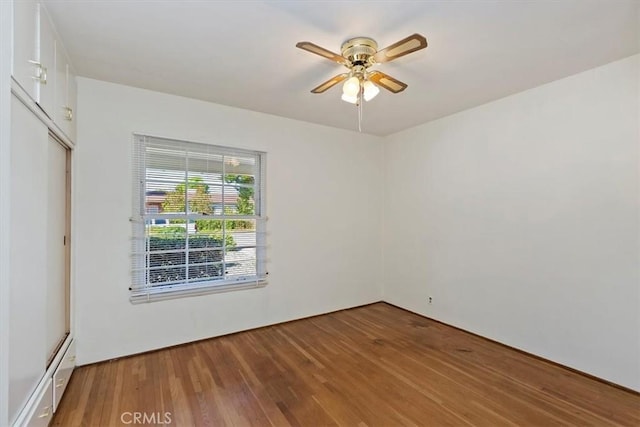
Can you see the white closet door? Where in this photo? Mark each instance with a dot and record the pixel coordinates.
(28, 257)
(56, 246)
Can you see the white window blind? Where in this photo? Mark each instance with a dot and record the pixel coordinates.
(198, 219)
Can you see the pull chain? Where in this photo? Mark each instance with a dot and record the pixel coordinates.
(360, 109)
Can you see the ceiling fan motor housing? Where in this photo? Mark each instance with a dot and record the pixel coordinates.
(360, 51)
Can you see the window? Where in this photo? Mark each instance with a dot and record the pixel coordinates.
(198, 220)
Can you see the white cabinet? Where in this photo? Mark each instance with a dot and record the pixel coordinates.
(65, 93)
(46, 60)
(41, 66)
(63, 374)
(25, 34)
(42, 411)
(72, 102)
(33, 63)
(42, 102)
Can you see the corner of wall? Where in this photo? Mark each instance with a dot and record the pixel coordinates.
(522, 206)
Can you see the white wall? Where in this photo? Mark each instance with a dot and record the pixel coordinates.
(520, 218)
(6, 18)
(324, 231)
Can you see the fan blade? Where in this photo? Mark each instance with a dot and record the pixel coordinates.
(314, 48)
(330, 83)
(403, 47)
(387, 82)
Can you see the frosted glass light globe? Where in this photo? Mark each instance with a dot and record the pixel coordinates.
(351, 86)
(370, 90)
(353, 99)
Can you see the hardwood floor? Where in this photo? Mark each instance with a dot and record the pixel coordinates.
(370, 366)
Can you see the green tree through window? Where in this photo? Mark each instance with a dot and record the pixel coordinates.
(199, 201)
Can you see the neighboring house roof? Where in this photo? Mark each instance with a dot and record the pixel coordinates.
(158, 198)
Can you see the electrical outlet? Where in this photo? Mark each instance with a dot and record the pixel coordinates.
(430, 300)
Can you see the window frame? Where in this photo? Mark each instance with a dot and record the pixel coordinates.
(142, 289)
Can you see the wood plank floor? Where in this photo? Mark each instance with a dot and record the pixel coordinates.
(370, 366)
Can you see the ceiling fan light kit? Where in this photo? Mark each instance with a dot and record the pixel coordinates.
(358, 54)
(369, 90)
(352, 86)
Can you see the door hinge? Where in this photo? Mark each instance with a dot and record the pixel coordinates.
(64, 240)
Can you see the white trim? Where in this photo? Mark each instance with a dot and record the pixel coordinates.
(229, 149)
(151, 295)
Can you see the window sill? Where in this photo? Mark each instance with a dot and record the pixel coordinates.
(158, 294)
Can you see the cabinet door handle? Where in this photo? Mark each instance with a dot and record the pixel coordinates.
(47, 412)
(68, 113)
(41, 73)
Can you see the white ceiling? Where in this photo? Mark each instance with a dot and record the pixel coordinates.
(243, 54)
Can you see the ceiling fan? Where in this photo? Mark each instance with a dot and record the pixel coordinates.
(358, 54)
